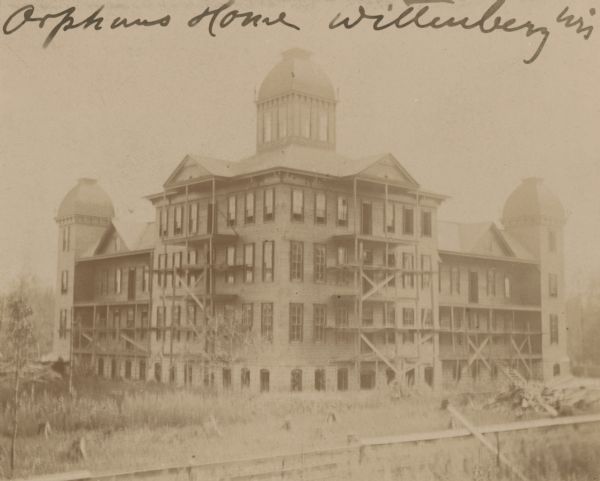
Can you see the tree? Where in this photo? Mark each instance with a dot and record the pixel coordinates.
(19, 348)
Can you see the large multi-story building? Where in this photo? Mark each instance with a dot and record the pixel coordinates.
(300, 269)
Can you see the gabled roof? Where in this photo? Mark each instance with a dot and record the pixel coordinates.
(135, 236)
(482, 238)
(302, 158)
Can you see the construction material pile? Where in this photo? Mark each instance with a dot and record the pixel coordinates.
(565, 397)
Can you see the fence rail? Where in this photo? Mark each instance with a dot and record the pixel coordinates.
(326, 464)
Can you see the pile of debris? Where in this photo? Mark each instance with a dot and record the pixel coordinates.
(563, 398)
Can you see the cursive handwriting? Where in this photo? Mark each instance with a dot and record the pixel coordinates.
(224, 16)
(487, 23)
(66, 21)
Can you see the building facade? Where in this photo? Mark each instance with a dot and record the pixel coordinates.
(300, 269)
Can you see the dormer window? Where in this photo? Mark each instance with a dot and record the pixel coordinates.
(267, 127)
(305, 120)
(323, 126)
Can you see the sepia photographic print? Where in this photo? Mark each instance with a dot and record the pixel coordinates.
(299, 240)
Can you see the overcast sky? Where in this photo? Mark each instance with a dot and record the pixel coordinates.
(460, 110)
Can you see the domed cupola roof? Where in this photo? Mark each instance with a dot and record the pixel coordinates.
(532, 200)
(87, 198)
(296, 73)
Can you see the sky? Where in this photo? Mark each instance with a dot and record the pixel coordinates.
(459, 109)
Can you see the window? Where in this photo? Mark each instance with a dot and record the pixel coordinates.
(390, 315)
(296, 322)
(320, 259)
(127, 369)
(130, 318)
(249, 263)
(160, 321)
(267, 126)
(426, 224)
(552, 241)
(247, 317)
(368, 257)
(507, 286)
(323, 131)
(282, 116)
(319, 316)
(319, 379)
(342, 211)
(193, 218)
(164, 222)
(341, 321)
(426, 271)
(191, 314)
(553, 329)
(391, 262)
(296, 380)
(118, 279)
(408, 278)
(367, 315)
(408, 337)
(62, 326)
(266, 321)
(408, 316)
(231, 209)
(553, 285)
(64, 282)
(408, 221)
(556, 370)
(342, 379)
(157, 372)
(162, 265)
(177, 257)
(305, 120)
(268, 261)
(390, 217)
(297, 205)
(226, 378)
(342, 255)
(296, 261)
(142, 372)
(178, 226)
(269, 205)
(320, 208)
(145, 279)
(176, 315)
(249, 206)
(427, 317)
(66, 238)
(264, 380)
(230, 261)
(491, 282)
(455, 280)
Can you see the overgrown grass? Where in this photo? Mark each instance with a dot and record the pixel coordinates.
(133, 425)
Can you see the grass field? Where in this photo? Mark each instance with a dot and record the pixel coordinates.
(149, 425)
